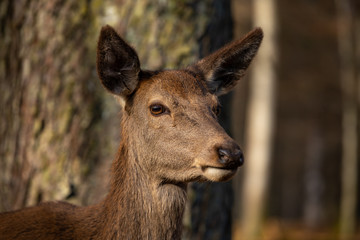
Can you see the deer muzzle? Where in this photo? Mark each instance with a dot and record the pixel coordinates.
(223, 163)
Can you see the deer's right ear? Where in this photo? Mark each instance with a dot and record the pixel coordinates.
(118, 64)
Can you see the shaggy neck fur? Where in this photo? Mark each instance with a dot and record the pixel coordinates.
(138, 207)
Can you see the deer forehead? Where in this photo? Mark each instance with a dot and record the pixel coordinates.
(176, 87)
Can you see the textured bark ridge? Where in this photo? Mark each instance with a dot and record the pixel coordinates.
(46, 76)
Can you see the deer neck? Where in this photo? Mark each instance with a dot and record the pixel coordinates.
(140, 207)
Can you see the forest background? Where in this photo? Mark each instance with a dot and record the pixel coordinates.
(296, 113)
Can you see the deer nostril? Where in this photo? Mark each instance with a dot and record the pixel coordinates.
(231, 158)
(224, 156)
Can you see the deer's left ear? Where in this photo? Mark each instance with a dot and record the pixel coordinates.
(223, 68)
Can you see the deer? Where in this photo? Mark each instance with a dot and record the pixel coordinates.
(170, 136)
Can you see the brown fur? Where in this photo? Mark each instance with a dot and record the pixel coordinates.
(158, 154)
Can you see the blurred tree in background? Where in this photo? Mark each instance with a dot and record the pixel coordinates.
(349, 58)
(260, 121)
(59, 129)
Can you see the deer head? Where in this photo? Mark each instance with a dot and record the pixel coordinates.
(170, 117)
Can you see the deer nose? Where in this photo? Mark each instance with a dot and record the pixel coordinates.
(231, 158)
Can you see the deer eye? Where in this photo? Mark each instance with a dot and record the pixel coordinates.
(158, 109)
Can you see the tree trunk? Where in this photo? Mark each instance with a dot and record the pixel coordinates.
(349, 173)
(260, 122)
(164, 33)
(212, 205)
(50, 108)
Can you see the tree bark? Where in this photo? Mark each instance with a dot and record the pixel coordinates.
(50, 106)
(164, 33)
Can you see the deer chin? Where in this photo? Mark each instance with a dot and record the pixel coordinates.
(216, 174)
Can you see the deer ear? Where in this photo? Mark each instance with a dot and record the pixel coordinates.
(223, 68)
(118, 64)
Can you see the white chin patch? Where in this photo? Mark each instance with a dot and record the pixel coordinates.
(218, 174)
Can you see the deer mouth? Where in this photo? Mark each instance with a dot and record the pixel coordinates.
(219, 174)
(230, 168)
